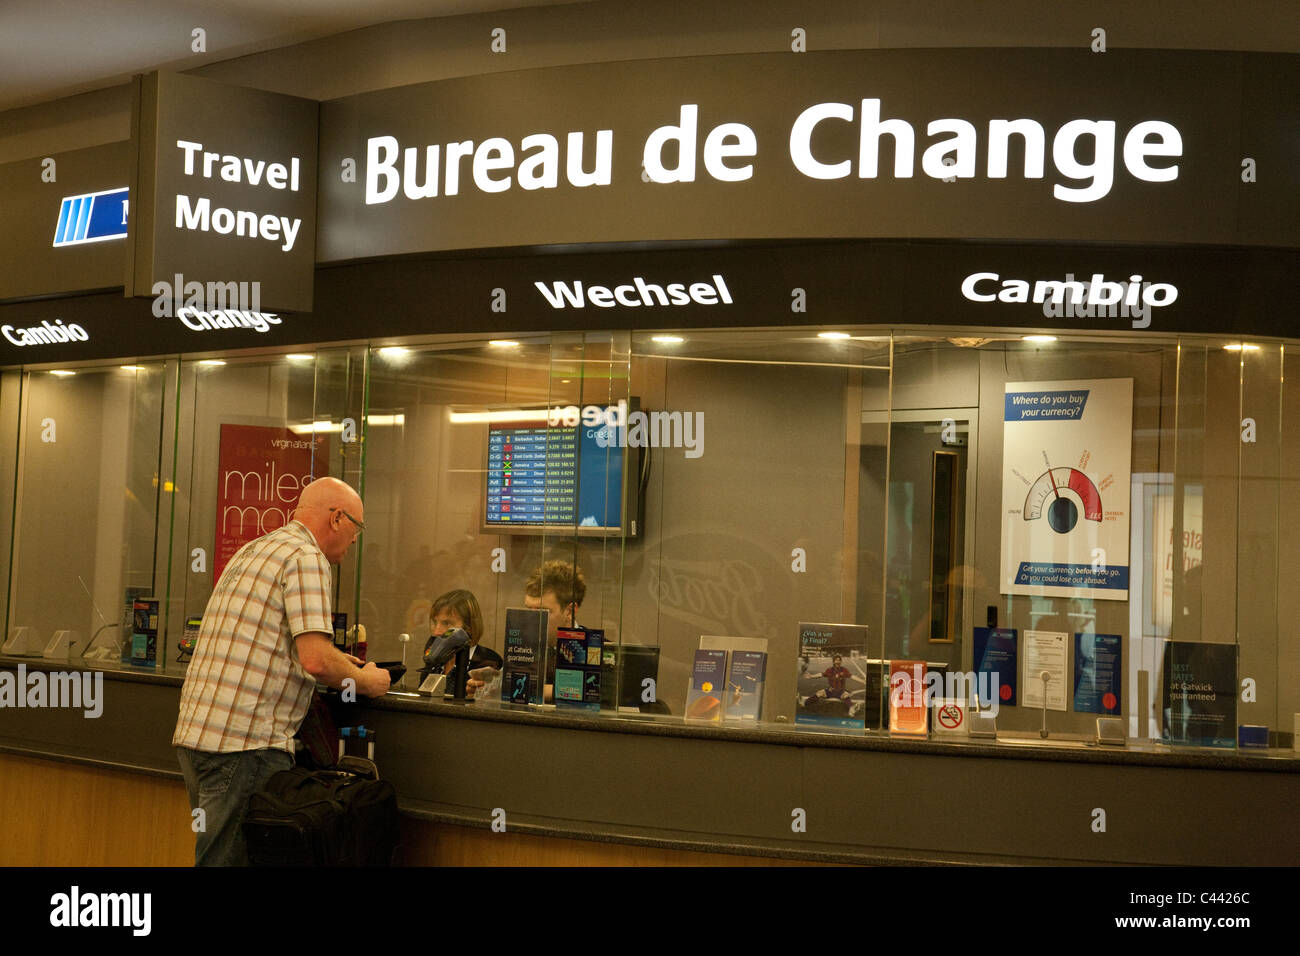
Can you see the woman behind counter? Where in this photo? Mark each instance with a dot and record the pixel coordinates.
(454, 609)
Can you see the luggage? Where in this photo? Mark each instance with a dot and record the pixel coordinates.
(320, 746)
(341, 817)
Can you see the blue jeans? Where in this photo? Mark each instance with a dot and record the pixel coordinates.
(220, 785)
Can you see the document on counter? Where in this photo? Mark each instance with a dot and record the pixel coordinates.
(1045, 651)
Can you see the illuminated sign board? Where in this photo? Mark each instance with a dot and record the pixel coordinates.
(93, 217)
(225, 191)
(847, 145)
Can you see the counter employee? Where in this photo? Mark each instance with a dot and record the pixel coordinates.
(459, 609)
(559, 588)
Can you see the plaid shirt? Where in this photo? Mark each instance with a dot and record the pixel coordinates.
(245, 688)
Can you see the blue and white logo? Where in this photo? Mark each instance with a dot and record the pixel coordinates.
(93, 217)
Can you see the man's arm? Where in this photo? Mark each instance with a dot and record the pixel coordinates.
(325, 662)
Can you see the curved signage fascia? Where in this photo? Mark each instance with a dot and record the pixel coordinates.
(1130, 146)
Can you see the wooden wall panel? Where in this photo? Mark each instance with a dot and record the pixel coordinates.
(67, 814)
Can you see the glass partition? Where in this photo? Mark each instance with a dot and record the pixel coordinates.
(87, 489)
(429, 532)
(762, 517)
(592, 475)
(250, 434)
(1110, 511)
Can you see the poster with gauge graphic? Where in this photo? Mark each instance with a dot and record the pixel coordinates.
(1066, 453)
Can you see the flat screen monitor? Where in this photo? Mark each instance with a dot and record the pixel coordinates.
(544, 473)
(625, 668)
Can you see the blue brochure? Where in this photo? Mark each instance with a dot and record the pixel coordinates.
(1098, 680)
(997, 654)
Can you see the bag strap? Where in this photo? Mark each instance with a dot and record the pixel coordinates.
(319, 734)
(359, 766)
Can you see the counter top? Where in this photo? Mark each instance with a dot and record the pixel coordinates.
(1007, 746)
(783, 734)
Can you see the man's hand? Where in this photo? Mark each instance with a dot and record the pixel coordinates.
(325, 662)
(372, 680)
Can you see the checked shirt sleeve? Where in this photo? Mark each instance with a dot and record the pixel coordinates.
(307, 594)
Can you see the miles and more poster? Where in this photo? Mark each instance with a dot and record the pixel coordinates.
(261, 470)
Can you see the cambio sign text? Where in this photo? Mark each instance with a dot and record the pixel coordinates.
(989, 286)
(730, 152)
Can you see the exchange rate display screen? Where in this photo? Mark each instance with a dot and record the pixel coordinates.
(550, 477)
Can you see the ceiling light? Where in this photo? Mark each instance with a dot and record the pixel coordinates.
(833, 335)
(507, 415)
(1039, 338)
(316, 428)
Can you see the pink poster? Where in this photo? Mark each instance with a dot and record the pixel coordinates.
(261, 471)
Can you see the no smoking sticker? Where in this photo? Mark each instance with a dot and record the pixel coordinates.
(950, 717)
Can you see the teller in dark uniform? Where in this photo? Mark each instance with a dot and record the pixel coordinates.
(452, 610)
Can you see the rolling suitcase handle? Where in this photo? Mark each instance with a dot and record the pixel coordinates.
(348, 733)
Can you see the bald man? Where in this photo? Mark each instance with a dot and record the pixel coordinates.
(266, 639)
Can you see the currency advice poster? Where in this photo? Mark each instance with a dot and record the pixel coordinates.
(261, 472)
(1066, 455)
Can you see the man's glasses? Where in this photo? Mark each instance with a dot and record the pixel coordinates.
(360, 525)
